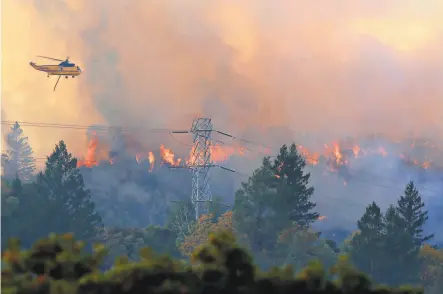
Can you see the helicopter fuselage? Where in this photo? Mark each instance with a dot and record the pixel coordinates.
(62, 69)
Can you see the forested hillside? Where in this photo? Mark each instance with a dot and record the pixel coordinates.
(273, 217)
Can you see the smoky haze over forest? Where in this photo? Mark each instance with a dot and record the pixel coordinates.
(270, 73)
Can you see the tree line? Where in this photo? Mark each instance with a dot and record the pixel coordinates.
(272, 217)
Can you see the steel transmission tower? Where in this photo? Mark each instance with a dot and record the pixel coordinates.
(201, 164)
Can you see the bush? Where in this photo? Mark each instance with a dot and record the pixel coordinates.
(59, 264)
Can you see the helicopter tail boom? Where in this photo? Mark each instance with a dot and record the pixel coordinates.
(33, 65)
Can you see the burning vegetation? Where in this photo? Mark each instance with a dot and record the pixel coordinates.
(164, 155)
(336, 156)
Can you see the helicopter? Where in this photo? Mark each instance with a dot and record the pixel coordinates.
(64, 68)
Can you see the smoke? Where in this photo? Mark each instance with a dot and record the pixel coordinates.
(268, 72)
(341, 68)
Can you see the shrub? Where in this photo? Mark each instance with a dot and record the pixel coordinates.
(59, 264)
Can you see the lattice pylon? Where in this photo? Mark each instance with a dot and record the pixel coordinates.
(201, 164)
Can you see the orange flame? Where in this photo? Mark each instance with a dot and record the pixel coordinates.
(192, 158)
(218, 154)
(90, 159)
(310, 158)
(168, 156)
(222, 153)
(337, 153)
(426, 164)
(151, 159)
(356, 149)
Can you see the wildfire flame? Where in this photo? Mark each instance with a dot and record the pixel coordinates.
(90, 159)
(356, 149)
(334, 154)
(311, 158)
(222, 153)
(168, 156)
(192, 158)
(151, 159)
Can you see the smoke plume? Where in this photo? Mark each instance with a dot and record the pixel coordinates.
(270, 72)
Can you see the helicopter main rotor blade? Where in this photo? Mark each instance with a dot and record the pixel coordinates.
(50, 58)
(57, 82)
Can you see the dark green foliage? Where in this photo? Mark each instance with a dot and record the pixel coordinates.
(410, 209)
(59, 265)
(367, 245)
(387, 246)
(253, 209)
(394, 249)
(24, 213)
(404, 235)
(69, 201)
(293, 193)
(57, 202)
(161, 240)
(128, 242)
(275, 198)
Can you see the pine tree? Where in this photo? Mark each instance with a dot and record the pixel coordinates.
(293, 201)
(70, 203)
(253, 210)
(396, 249)
(28, 217)
(410, 208)
(367, 245)
(18, 159)
(410, 220)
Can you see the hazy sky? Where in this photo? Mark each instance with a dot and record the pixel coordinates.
(340, 67)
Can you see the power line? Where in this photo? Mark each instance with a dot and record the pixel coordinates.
(120, 128)
(180, 142)
(84, 127)
(171, 132)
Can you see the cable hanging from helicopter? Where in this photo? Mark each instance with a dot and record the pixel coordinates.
(64, 68)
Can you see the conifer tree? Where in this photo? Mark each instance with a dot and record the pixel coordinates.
(293, 200)
(275, 198)
(396, 249)
(253, 211)
(409, 223)
(367, 245)
(410, 209)
(70, 202)
(24, 213)
(17, 160)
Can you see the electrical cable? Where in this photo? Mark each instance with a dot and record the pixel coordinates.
(170, 132)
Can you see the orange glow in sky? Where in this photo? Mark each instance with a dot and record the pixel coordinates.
(342, 68)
